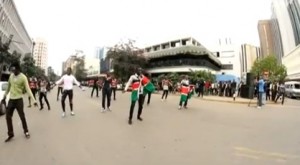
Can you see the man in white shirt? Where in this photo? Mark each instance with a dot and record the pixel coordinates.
(68, 80)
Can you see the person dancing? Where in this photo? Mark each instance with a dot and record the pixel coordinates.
(184, 90)
(106, 92)
(16, 84)
(68, 80)
(165, 84)
(43, 94)
(141, 85)
(59, 91)
(114, 83)
(33, 87)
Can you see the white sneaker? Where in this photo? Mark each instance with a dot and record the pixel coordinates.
(162, 100)
(72, 113)
(63, 114)
(108, 109)
(259, 107)
(103, 110)
(179, 108)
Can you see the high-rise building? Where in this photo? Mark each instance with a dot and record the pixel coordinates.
(286, 31)
(282, 18)
(40, 53)
(11, 24)
(249, 54)
(105, 64)
(266, 37)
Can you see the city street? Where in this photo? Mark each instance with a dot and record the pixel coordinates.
(208, 133)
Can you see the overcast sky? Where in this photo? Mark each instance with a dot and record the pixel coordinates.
(84, 24)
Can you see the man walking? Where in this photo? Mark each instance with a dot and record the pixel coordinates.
(16, 84)
(184, 91)
(68, 80)
(43, 94)
(165, 85)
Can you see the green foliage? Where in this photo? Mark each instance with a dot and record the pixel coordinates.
(28, 65)
(204, 75)
(277, 72)
(125, 59)
(80, 72)
(51, 75)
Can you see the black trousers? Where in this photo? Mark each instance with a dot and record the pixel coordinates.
(106, 93)
(59, 90)
(278, 96)
(149, 98)
(113, 90)
(200, 92)
(140, 109)
(97, 91)
(44, 95)
(66, 93)
(33, 91)
(165, 94)
(12, 105)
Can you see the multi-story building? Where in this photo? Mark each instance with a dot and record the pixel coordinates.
(182, 56)
(248, 55)
(266, 37)
(286, 22)
(40, 53)
(11, 24)
(92, 66)
(105, 64)
(229, 56)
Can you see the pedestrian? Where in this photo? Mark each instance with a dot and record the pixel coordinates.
(261, 85)
(68, 80)
(16, 84)
(106, 92)
(280, 93)
(43, 93)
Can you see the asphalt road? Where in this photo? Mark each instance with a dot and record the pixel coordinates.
(207, 133)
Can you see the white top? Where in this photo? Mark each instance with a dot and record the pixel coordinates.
(67, 81)
(185, 82)
(134, 77)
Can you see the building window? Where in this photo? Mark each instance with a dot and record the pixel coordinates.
(227, 67)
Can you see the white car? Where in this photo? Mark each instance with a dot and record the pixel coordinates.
(3, 87)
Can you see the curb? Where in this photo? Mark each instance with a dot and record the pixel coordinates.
(253, 101)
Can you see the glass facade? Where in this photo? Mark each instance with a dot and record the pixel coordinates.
(293, 8)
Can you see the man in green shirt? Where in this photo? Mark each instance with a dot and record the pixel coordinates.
(17, 82)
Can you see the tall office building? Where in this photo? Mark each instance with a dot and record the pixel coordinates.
(282, 17)
(249, 54)
(11, 24)
(40, 53)
(105, 64)
(266, 37)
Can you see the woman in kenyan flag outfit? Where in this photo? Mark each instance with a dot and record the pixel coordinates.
(141, 86)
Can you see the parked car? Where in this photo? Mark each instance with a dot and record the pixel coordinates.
(292, 89)
(3, 87)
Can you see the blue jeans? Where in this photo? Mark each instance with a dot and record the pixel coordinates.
(260, 97)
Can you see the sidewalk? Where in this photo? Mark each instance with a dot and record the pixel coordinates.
(237, 100)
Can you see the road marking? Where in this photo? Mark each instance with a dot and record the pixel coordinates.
(246, 156)
(263, 154)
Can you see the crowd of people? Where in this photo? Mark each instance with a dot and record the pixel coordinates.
(140, 83)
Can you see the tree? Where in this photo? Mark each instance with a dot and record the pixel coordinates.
(125, 59)
(202, 74)
(269, 65)
(28, 65)
(80, 72)
(51, 75)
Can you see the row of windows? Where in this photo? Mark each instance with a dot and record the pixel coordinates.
(294, 12)
(182, 62)
(16, 28)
